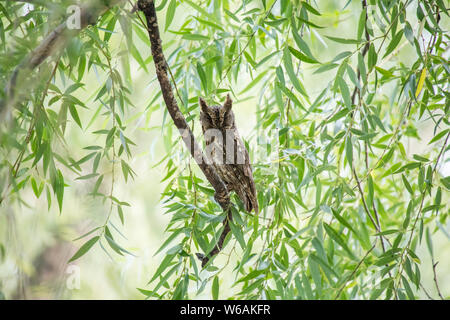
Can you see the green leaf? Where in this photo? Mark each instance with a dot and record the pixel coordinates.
(408, 288)
(308, 7)
(384, 72)
(302, 45)
(407, 185)
(291, 73)
(420, 158)
(161, 5)
(73, 88)
(170, 13)
(372, 59)
(59, 189)
(215, 288)
(84, 248)
(290, 95)
(37, 190)
(86, 234)
(394, 42)
(88, 176)
(409, 34)
(430, 208)
(325, 266)
(349, 151)
(344, 41)
(174, 234)
(408, 215)
(309, 23)
(345, 92)
(386, 259)
(343, 221)
(163, 266)
(209, 23)
(195, 37)
(110, 28)
(429, 242)
(202, 11)
(446, 182)
(111, 242)
(166, 276)
(74, 114)
(232, 16)
(120, 213)
(254, 82)
(202, 75)
(237, 232)
(326, 67)
(370, 195)
(439, 136)
(338, 239)
(84, 159)
(387, 232)
(362, 68)
(361, 23)
(301, 56)
(137, 56)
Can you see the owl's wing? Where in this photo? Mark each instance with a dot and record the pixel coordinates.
(206, 125)
(245, 171)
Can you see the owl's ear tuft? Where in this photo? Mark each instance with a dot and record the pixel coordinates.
(203, 104)
(228, 103)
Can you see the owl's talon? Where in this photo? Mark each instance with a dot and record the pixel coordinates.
(223, 200)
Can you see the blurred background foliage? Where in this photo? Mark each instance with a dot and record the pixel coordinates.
(353, 97)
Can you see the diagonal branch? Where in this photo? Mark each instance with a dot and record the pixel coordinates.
(56, 40)
(161, 66)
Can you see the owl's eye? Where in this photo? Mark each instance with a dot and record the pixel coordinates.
(207, 116)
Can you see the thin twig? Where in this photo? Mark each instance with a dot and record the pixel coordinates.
(354, 271)
(435, 279)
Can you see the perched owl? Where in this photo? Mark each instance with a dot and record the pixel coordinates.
(226, 151)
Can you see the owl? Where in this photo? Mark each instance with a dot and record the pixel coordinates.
(226, 151)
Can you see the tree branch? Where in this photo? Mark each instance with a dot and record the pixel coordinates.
(435, 278)
(161, 66)
(364, 50)
(355, 270)
(53, 42)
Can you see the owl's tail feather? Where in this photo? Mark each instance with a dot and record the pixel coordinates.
(250, 202)
(253, 204)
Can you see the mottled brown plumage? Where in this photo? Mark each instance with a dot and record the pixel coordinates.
(227, 152)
